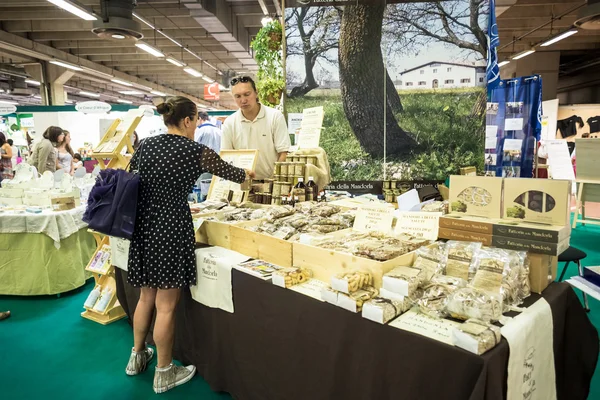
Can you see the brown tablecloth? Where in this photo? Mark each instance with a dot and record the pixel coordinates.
(281, 345)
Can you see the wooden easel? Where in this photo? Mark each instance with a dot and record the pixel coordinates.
(588, 178)
(115, 139)
(113, 311)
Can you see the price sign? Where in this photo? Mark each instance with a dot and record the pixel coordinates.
(419, 224)
(374, 218)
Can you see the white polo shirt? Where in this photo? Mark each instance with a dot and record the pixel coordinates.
(267, 133)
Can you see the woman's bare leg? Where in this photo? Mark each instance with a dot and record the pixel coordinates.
(143, 317)
(164, 326)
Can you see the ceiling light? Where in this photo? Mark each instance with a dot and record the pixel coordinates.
(8, 102)
(170, 38)
(74, 8)
(175, 62)
(1, 90)
(156, 92)
(117, 36)
(219, 72)
(210, 65)
(207, 79)
(503, 63)
(559, 38)
(32, 82)
(192, 72)
(120, 82)
(194, 54)
(144, 21)
(202, 105)
(65, 65)
(149, 49)
(90, 94)
(131, 92)
(37, 97)
(221, 87)
(266, 20)
(124, 101)
(523, 54)
(69, 101)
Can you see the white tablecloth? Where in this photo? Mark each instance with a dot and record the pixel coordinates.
(57, 225)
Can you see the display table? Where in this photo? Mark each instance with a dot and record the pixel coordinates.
(43, 253)
(280, 345)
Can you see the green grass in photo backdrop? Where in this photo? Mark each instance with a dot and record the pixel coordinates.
(449, 137)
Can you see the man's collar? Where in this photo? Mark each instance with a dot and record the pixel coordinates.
(207, 124)
(261, 114)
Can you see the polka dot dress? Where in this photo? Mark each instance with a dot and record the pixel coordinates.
(161, 254)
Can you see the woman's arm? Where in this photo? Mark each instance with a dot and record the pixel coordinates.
(8, 150)
(211, 162)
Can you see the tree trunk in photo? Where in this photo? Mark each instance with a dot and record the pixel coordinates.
(309, 81)
(393, 97)
(362, 76)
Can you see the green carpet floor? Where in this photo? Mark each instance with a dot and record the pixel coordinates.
(47, 351)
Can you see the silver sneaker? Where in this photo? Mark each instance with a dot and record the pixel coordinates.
(138, 361)
(171, 376)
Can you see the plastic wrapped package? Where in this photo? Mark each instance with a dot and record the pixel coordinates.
(461, 259)
(324, 210)
(491, 267)
(287, 277)
(383, 310)
(354, 301)
(436, 206)
(434, 300)
(430, 261)
(525, 289)
(276, 212)
(476, 336)
(515, 281)
(329, 295)
(456, 283)
(466, 303)
(402, 280)
(350, 282)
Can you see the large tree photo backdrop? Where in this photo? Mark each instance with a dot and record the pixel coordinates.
(354, 59)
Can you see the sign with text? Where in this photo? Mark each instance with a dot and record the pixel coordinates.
(294, 122)
(93, 107)
(309, 138)
(6, 109)
(433, 328)
(374, 218)
(419, 224)
(312, 118)
(212, 91)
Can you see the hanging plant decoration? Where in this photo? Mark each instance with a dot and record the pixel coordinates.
(267, 53)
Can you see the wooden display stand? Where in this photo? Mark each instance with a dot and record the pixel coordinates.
(115, 139)
(588, 178)
(113, 311)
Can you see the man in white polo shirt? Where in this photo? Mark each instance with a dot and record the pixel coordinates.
(255, 126)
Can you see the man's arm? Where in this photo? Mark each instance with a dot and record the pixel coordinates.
(281, 137)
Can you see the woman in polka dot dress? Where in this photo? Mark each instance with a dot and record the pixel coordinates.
(161, 254)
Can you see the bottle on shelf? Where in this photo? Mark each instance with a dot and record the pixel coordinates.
(312, 192)
(92, 297)
(283, 200)
(296, 201)
(322, 197)
(299, 190)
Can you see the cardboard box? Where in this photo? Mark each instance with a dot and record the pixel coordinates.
(552, 249)
(15, 193)
(542, 201)
(542, 271)
(478, 196)
(465, 236)
(499, 227)
(63, 203)
(468, 171)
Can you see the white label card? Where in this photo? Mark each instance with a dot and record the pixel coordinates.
(419, 224)
(311, 288)
(309, 138)
(294, 122)
(437, 329)
(513, 144)
(278, 280)
(513, 124)
(491, 131)
(374, 218)
(490, 142)
(312, 118)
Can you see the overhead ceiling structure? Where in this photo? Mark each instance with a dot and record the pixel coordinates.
(524, 25)
(185, 44)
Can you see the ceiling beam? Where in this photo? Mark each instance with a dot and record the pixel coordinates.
(81, 25)
(198, 33)
(163, 44)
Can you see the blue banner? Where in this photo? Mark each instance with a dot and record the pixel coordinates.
(515, 115)
(492, 69)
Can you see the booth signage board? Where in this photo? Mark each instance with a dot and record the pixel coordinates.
(6, 109)
(93, 107)
(294, 122)
(211, 91)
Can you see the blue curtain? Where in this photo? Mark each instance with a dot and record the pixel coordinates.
(514, 100)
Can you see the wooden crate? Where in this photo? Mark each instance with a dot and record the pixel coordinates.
(217, 233)
(326, 263)
(261, 246)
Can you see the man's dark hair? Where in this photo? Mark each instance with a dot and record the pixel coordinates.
(203, 115)
(243, 79)
(10, 142)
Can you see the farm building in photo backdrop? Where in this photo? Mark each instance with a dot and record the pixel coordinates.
(410, 108)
